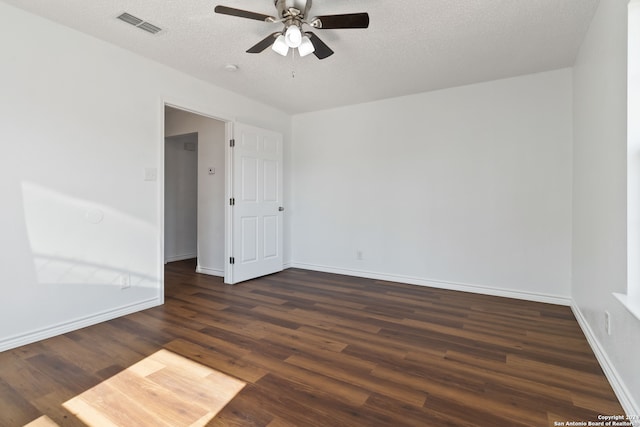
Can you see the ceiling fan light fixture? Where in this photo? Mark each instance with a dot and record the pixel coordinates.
(306, 47)
(280, 46)
(293, 14)
(293, 36)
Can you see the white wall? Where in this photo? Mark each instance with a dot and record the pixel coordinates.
(81, 119)
(599, 199)
(466, 188)
(468, 185)
(211, 197)
(181, 197)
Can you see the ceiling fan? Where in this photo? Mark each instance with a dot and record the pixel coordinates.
(294, 14)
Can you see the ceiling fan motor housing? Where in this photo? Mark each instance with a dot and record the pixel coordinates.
(283, 7)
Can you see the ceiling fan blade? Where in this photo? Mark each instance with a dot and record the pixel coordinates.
(322, 51)
(264, 43)
(347, 20)
(243, 13)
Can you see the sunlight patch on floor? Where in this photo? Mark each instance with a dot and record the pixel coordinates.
(164, 389)
(43, 421)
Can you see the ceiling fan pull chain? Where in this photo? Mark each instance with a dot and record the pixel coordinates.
(293, 63)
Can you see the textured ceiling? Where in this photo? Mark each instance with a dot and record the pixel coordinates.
(410, 46)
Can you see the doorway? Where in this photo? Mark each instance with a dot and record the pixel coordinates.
(194, 172)
(181, 197)
(239, 179)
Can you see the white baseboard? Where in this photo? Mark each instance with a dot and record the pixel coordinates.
(79, 323)
(210, 271)
(465, 287)
(182, 257)
(626, 400)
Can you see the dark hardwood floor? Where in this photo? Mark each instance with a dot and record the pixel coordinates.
(319, 349)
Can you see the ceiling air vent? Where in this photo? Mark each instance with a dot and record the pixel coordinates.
(137, 22)
(149, 27)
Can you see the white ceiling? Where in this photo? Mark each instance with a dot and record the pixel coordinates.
(410, 46)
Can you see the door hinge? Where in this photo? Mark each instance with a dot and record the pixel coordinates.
(232, 201)
(232, 143)
(232, 260)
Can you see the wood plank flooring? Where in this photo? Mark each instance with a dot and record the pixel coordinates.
(164, 390)
(317, 349)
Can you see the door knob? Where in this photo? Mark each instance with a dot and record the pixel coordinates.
(280, 209)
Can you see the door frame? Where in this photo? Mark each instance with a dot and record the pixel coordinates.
(228, 182)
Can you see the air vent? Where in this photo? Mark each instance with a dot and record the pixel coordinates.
(137, 22)
(149, 27)
(130, 19)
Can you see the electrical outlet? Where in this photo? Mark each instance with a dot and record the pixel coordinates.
(150, 174)
(607, 322)
(359, 255)
(125, 281)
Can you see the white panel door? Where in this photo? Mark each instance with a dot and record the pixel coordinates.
(256, 214)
